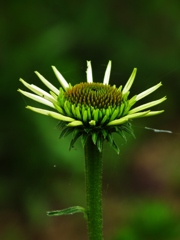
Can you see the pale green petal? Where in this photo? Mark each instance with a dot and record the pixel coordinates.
(51, 114)
(118, 121)
(147, 105)
(74, 124)
(138, 115)
(107, 73)
(37, 98)
(153, 113)
(47, 83)
(148, 91)
(129, 82)
(38, 91)
(61, 79)
(127, 117)
(89, 72)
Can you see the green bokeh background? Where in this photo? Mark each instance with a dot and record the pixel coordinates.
(141, 186)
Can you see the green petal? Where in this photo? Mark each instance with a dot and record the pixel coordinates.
(107, 73)
(148, 91)
(115, 114)
(92, 123)
(61, 79)
(147, 105)
(74, 124)
(51, 114)
(47, 83)
(129, 82)
(118, 121)
(89, 72)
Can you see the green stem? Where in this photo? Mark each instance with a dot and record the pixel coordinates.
(93, 174)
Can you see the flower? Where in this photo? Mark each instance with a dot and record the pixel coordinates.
(90, 108)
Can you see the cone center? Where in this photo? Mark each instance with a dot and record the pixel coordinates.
(97, 95)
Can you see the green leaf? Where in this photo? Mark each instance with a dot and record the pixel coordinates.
(67, 211)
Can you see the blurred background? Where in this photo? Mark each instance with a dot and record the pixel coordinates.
(141, 186)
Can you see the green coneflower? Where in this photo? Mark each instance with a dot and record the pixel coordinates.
(92, 111)
(91, 108)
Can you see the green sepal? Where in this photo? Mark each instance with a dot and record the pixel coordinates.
(105, 118)
(127, 128)
(112, 143)
(104, 133)
(115, 147)
(99, 143)
(109, 138)
(66, 131)
(61, 97)
(67, 109)
(85, 114)
(78, 115)
(53, 95)
(77, 133)
(115, 114)
(119, 131)
(73, 109)
(95, 114)
(132, 101)
(125, 96)
(67, 211)
(84, 138)
(120, 88)
(89, 114)
(100, 115)
(121, 108)
(126, 108)
(58, 108)
(61, 124)
(94, 137)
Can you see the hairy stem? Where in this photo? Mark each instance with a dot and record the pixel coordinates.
(93, 174)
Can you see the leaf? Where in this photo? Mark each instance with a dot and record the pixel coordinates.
(67, 211)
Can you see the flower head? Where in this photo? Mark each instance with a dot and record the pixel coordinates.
(91, 108)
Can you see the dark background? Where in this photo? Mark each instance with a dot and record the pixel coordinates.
(141, 186)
